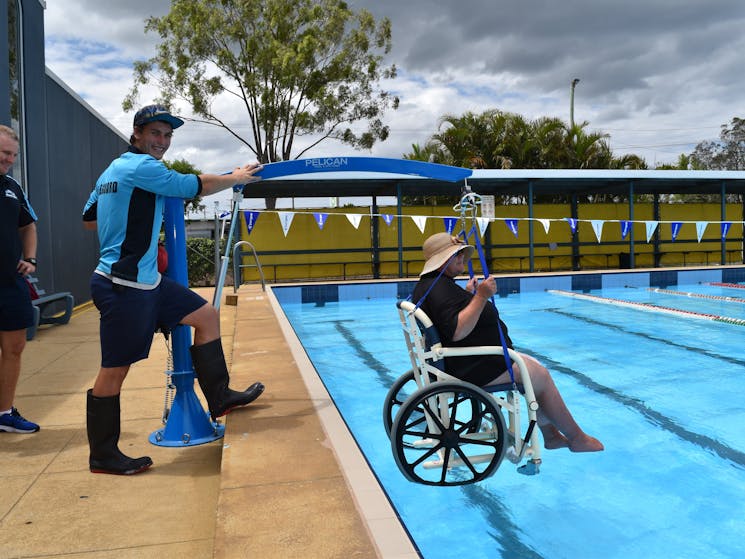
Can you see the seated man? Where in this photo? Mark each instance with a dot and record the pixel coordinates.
(467, 317)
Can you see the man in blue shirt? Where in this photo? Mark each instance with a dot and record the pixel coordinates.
(17, 259)
(126, 207)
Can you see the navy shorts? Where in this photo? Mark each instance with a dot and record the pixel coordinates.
(130, 316)
(16, 310)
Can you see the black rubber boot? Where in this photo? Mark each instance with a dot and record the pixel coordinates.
(213, 377)
(104, 428)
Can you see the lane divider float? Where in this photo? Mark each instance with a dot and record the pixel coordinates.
(649, 307)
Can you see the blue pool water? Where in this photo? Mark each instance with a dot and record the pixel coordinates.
(664, 393)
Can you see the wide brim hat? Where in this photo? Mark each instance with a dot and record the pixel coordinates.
(439, 248)
(152, 113)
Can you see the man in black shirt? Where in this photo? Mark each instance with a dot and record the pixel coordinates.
(17, 259)
(467, 317)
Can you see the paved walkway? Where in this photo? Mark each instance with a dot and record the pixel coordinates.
(272, 488)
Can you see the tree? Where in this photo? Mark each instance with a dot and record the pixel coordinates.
(496, 139)
(183, 166)
(299, 67)
(725, 154)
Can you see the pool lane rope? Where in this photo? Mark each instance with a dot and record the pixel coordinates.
(650, 308)
(731, 285)
(697, 295)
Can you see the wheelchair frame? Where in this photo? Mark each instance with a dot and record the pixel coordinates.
(439, 399)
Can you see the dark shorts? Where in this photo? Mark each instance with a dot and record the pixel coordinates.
(16, 310)
(130, 317)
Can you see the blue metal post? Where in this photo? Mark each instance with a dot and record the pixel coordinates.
(187, 424)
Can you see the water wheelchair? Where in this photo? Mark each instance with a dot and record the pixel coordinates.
(444, 431)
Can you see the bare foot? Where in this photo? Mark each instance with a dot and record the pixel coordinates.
(585, 443)
(552, 438)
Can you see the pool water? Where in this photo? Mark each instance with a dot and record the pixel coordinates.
(663, 392)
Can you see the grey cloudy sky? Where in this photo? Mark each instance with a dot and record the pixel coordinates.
(658, 75)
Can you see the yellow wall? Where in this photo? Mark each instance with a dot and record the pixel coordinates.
(340, 235)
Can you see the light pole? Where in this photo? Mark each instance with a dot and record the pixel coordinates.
(575, 81)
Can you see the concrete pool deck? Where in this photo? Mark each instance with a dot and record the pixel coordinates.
(286, 481)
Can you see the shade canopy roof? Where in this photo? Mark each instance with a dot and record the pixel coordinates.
(369, 176)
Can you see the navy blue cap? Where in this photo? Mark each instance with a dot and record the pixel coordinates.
(151, 113)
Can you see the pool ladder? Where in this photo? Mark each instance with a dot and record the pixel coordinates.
(238, 267)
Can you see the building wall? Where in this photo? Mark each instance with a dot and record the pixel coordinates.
(67, 145)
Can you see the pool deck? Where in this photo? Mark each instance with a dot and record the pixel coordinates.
(286, 481)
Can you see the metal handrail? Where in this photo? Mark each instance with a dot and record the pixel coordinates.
(237, 275)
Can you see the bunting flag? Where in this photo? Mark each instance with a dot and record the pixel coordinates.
(354, 219)
(597, 225)
(449, 224)
(625, 228)
(483, 224)
(251, 218)
(725, 228)
(572, 224)
(700, 228)
(421, 221)
(320, 219)
(651, 226)
(675, 227)
(285, 218)
(511, 225)
(388, 218)
(546, 224)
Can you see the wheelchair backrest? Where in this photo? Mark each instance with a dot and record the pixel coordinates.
(422, 339)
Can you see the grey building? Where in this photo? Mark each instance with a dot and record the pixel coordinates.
(64, 146)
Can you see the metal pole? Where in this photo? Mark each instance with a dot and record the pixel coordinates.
(188, 424)
(575, 81)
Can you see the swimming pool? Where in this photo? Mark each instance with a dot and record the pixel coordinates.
(663, 391)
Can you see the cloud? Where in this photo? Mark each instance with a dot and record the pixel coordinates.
(658, 75)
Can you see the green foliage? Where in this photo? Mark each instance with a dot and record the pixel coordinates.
(200, 260)
(183, 166)
(299, 67)
(725, 154)
(500, 140)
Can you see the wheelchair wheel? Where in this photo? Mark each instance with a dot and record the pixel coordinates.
(448, 433)
(403, 387)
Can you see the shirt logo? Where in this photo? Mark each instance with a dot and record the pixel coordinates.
(10, 194)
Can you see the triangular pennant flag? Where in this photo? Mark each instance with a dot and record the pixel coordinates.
(675, 226)
(483, 224)
(421, 221)
(354, 219)
(285, 218)
(546, 224)
(651, 226)
(597, 225)
(251, 218)
(388, 218)
(449, 224)
(572, 224)
(320, 219)
(511, 225)
(725, 228)
(700, 228)
(625, 228)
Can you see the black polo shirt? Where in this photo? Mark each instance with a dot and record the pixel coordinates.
(442, 304)
(15, 212)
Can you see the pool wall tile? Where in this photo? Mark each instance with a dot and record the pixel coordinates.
(699, 276)
(320, 294)
(587, 282)
(637, 279)
(663, 279)
(733, 275)
(542, 283)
